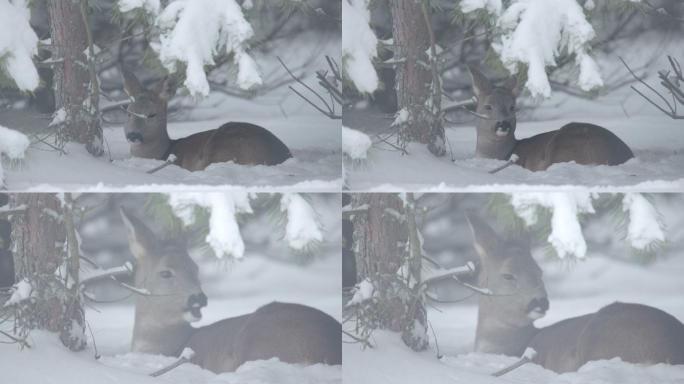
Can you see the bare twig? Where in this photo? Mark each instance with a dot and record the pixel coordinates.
(674, 87)
(328, 109)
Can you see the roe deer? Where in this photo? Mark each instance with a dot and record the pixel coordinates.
(147, 134)
(633, 332)
(291, 332)
(582, 143)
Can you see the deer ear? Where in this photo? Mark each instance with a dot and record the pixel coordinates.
(484, 237)
(481, 84)
(512, 85)
(166, 88)
(131, 83)
(140, 238)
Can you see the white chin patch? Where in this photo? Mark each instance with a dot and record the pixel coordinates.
(535, 314)
(501, 132)
(190, 318)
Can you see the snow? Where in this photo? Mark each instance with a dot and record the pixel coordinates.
(362, 292)
(574, 289)
(13, 144)
(644, 227)
(355, 144)
(18, 44)
(359, 45)
(566, 232)
(194, 31)
(21, 291)
(302, 229)
(224, 236)
(151, 6)
(491, 6)
(535, 33)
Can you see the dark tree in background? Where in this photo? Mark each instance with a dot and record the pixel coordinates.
(388, 256)
(46, 257)
(75, 93)
(417, 82)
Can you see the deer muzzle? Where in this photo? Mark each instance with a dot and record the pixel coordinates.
(537, 308)
(193, 310)
(503, 128)
(134, 137)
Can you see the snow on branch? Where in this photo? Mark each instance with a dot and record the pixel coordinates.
(534, 33)
(359, 45)
(194, 31)
(566, 233)
(355, 144)
(302, 229)
(645, 228)
(224, 233)
(13, 144)
(18, 44)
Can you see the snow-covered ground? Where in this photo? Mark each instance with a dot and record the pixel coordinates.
(574, 288)
(232, 288)
(655, 139)
(315, 142)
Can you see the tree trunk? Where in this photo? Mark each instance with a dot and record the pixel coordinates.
(74, 93)
(385, 258)
(415, 80)
(39, 237)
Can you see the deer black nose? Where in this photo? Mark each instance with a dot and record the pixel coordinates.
(134, 137)
(541, 304)
(197, 300)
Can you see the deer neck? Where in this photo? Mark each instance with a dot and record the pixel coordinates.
(152, 335)
(492, 147)
(495, 335)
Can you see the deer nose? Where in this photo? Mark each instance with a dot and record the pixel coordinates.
(538, 304)
(134, 137)
(197, 300)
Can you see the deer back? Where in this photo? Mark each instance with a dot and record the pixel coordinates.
(242, 143)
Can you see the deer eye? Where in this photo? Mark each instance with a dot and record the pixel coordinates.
(166, 274)
(508, 276)
(151, 116)
(488, 107)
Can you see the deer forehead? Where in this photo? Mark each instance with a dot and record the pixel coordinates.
(499, 96)
(143, 103)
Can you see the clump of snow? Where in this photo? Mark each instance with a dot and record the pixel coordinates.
(536, 32)
(13, 144)
(303, 228)
(491, 6)
(224, 233)
(644, 227)
(363, 291)
(187, 353)
(151, 6)
(18, 44)
(359, 45)
(58, 118)
(193, 32)
(566, 233)
(401, 117)
(355, 144)
(20, 292)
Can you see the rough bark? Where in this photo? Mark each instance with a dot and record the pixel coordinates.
(39, 237)
(73, 89)
(384, 257)
(414, 82)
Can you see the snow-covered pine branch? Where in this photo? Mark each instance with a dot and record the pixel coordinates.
(194, 31)
(13, 144)
(566, 232)
(359, 45)
(18, 44)
(303, 228)
(645, 227)
(224, 236)
(534, 33)
(355, 144)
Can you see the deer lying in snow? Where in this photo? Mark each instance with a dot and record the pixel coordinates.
(633, 332)
(582, 143)
(147, 135)
(292, 333)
